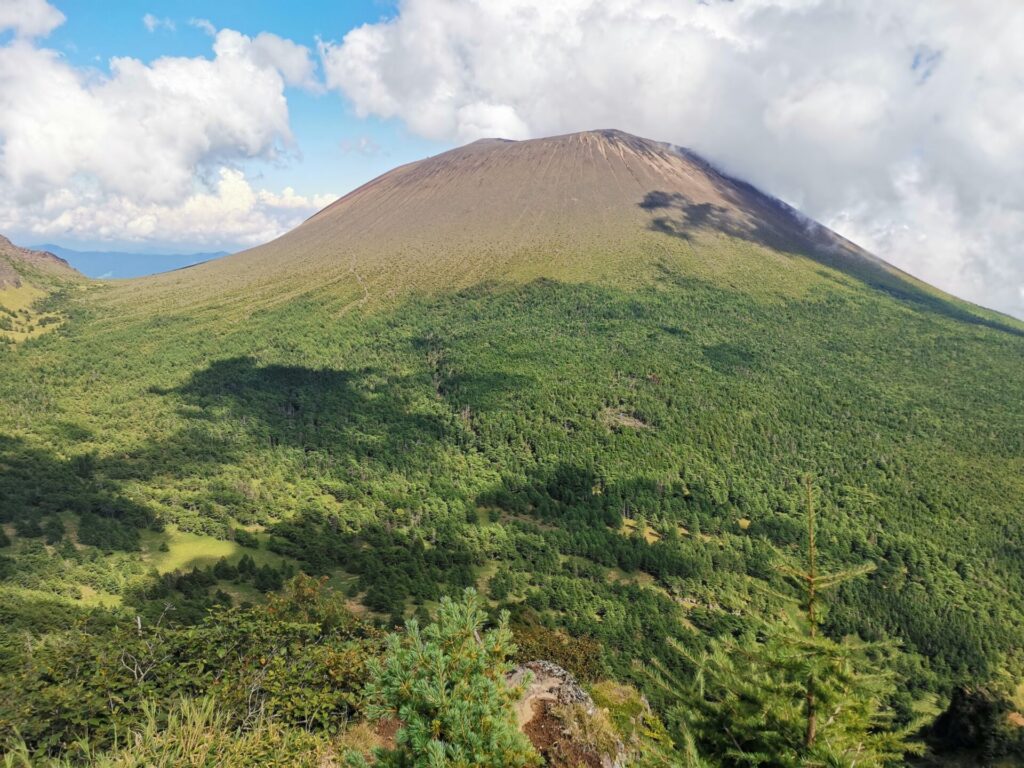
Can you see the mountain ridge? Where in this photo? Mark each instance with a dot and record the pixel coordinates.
(14, 260)
(590, 205)
(101, 265)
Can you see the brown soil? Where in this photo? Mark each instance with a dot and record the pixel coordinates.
(387, 729)
(545, 732)
(542, 690)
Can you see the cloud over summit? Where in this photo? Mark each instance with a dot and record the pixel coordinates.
(899, 123)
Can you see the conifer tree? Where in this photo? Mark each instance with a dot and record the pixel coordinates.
(446, 685)
(782, 694)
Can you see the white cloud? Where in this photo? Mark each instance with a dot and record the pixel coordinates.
(29, 18)
(205, 25)
(484, 119)
(292, 60)
(289, 200)
(151, 149)
(153, 23)
(146, 129)
(894, 121)
(230, 212)
(361, 145)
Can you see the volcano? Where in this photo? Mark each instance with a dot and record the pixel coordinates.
(585, 374)
(598, 205)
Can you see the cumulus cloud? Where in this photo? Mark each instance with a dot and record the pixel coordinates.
(896, 122)
(292, 60)
(29, 18)
(150, 148)
(146, 128)
(226, 213)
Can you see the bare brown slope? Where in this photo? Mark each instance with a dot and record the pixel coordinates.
(578, 188)
(479, 210)
(583, 206)
(563, 192)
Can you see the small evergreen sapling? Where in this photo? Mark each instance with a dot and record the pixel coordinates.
(782, 694)
(446, 685)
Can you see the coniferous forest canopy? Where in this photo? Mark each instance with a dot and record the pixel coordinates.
(215, 513)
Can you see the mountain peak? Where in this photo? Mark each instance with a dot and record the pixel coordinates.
(14, 260)
(566, 200)
(567, 142)
(580, 207)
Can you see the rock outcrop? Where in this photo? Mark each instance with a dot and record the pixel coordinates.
(562, 721)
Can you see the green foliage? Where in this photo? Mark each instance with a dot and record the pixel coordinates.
(619, 453)
(446, 685)
(300, 660)
(195, 733)
(746, 704)
(351, 443)
(786, 696)
(246, 539)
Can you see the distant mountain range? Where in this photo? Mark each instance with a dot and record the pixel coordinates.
(121, 264)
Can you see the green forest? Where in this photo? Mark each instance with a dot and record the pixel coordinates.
(242, 523)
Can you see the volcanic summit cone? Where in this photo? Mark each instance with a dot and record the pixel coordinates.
(572, 207)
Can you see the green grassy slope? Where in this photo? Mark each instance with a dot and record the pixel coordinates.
(27, 278)
(412, 423)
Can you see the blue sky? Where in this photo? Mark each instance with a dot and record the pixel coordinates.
(894, 122)
(334, 152)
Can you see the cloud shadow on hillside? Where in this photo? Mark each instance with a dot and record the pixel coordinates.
(763, 220)
(359, 413)
(37, 485)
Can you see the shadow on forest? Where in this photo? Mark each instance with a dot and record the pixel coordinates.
(360, 413)
(35, 484)
(570, 494)
(763, 220)
(340, 416)
(356, 413)
(730, 358)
